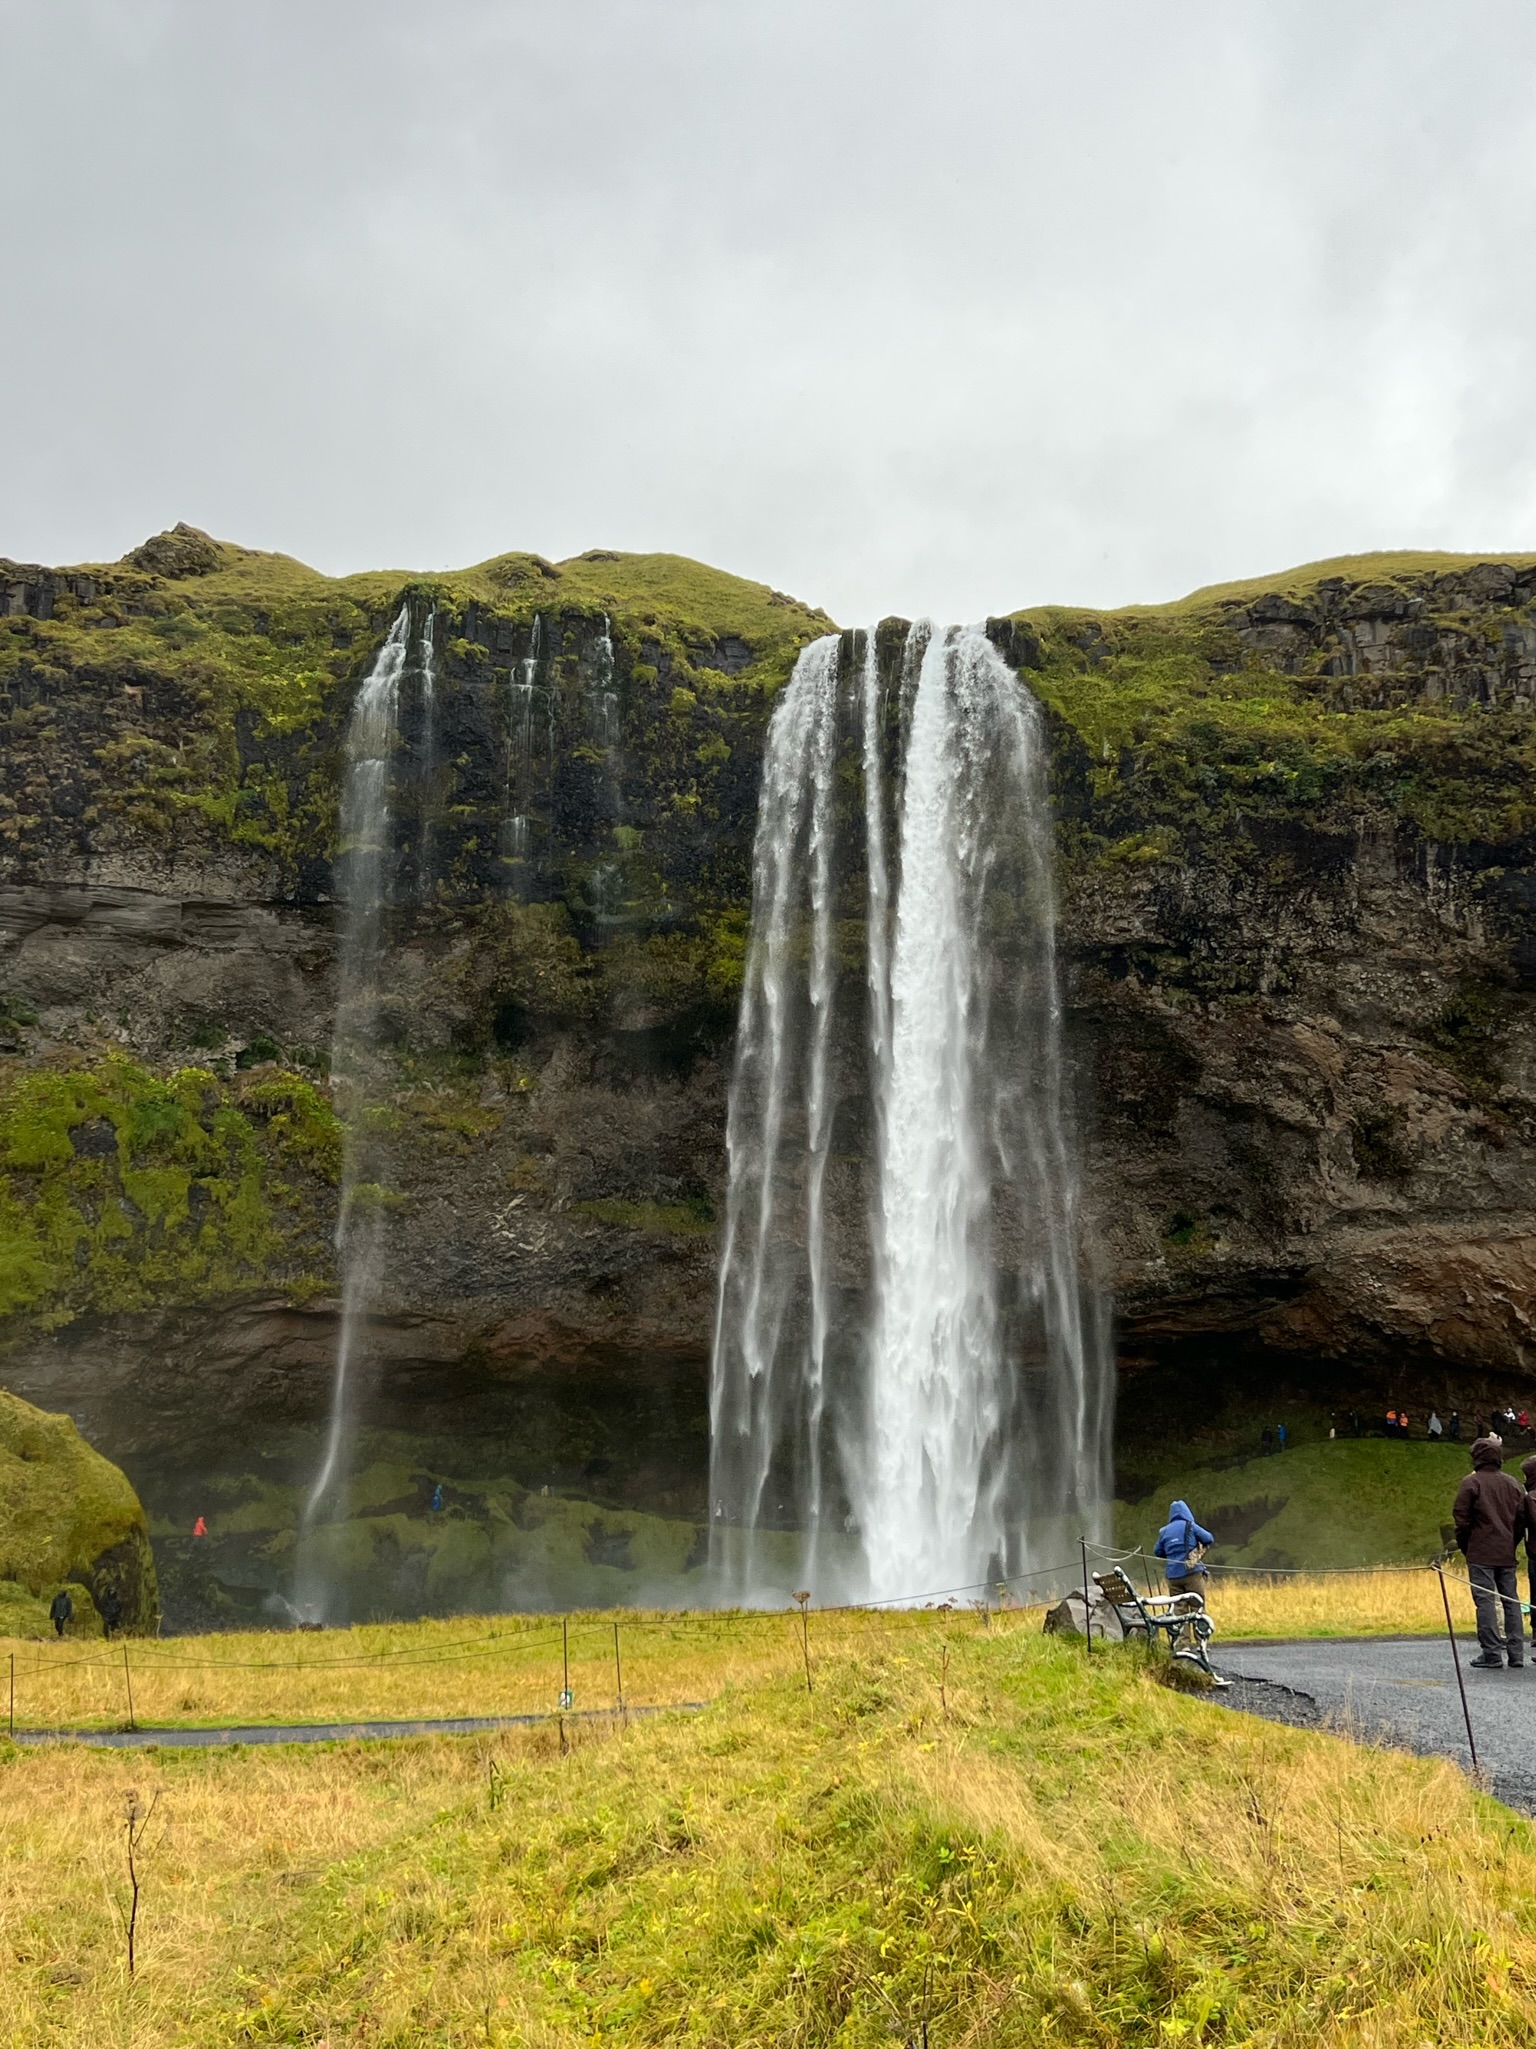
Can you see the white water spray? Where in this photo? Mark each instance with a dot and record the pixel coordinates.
(951, 1414)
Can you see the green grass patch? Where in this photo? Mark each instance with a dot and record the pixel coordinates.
(1346, 1501)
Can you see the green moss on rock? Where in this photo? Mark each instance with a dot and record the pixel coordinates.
(68, 1517)
(121, 1189)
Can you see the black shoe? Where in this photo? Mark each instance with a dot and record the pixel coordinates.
(1517, 1664)
(1486, 1661)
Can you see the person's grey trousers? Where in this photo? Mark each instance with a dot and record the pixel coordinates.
(1493, 1585)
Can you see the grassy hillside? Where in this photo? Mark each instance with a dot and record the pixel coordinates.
(1009, 1845)
(1364, 1501)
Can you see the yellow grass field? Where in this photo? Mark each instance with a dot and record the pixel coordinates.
(967, 1833)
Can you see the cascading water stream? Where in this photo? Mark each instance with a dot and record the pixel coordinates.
(940, 1418)
(773, 1260)
(366, 875)
(522, 689)
(602, 699)
(428, 769)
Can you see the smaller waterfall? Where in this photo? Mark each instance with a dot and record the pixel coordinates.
(522, 694)
(365, 870)
(427, 772)
(602, 698)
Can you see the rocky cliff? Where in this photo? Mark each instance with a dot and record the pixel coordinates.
(1297, 847)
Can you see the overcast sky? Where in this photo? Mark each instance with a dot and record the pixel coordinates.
(946, 306)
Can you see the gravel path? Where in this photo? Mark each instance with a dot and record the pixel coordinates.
(323, 1732)
(1398, 1691)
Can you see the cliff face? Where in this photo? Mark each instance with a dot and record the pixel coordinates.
(1298, 883)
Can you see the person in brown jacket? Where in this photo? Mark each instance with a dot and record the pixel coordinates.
(1528, 1467)
(1490, 1516)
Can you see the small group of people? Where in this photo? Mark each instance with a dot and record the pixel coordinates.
(1493, 1515)
(109, 1606)
(1271, 1440)
(1437, 1429)
(1507, 1423)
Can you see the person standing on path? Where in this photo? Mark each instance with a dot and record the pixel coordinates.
(1180, 1544)
(61, 1611)
(1490, 1516)
(1528, 1467)
(1434, 1425)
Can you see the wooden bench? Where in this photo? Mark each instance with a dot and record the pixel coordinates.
(1179, 1617)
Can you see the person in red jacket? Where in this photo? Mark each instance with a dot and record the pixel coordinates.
(199, 1528)
(1490, 1516)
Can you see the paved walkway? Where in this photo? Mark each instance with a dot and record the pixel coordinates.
(1399, 1691)
(325, 1732)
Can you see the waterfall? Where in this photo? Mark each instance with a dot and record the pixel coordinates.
(522, 689)
(365, 867)
(766, 1413)
(602, 698)
(938, 1419)
(428, 761)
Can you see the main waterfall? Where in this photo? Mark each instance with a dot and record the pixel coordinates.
(909, 1391)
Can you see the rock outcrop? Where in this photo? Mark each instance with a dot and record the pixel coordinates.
(68, 1519)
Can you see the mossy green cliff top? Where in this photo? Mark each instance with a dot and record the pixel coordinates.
(68, 1518)
(191, 697)
(1400, 685)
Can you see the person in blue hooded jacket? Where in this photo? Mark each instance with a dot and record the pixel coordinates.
(1176, 1540)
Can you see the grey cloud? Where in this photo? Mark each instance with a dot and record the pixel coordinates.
(897, 306)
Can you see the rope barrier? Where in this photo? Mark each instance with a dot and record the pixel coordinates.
(1314, 1571)
(155, 1658)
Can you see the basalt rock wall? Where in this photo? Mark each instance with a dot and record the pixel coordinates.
(1298, 896)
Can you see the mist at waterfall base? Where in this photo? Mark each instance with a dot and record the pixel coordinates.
(911, 1394)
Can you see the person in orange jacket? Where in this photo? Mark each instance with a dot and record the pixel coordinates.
(199, 1528)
